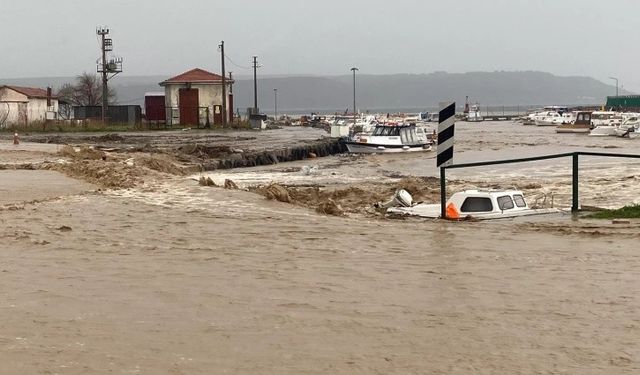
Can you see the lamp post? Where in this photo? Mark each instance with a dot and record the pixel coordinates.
(275, 102)
(614, 78)
(354, 70)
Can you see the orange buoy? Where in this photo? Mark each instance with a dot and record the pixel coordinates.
(452, 212)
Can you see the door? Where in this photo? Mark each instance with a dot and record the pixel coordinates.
(189, 106)
(217, 114)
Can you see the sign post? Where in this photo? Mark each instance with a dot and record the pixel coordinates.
(446, 127)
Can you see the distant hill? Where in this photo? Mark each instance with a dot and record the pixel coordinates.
(382, 92)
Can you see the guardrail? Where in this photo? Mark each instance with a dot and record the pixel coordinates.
(575, 172)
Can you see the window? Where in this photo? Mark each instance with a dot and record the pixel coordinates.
(505, 202)
(580, 118)
(476, 204)
(519, 199)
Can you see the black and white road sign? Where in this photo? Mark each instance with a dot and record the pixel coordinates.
(446, 125)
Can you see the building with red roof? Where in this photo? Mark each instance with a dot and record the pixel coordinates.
(21, 106)
(195, 98)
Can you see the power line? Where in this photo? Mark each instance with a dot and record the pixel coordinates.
(239, 66)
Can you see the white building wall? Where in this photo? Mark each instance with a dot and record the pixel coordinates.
(18, 110)
(13, 107)
(10, 113)
(208, 96)
(37, 109)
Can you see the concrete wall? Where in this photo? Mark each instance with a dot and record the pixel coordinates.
(208, 96)
(37, 110)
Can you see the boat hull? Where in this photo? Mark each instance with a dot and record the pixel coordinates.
(603, 131)
(369, 148)
(573, 129)
(432, 211)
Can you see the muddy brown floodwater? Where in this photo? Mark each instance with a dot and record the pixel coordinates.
(152, 273)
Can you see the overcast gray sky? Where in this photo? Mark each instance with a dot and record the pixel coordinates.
(566, 37)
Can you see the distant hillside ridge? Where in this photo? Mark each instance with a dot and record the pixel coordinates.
(391, 91)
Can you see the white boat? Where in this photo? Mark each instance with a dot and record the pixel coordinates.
(367, 123)
(477, 204)
(630, 126)
(608, 123)
(580, 124)
(605, 118)
(389, 139)
(474, 114)
(551, 118)
(604, 131)
(539, 114)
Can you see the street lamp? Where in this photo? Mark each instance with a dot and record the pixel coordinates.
(354, 70)
(614, 78)
(275, 102)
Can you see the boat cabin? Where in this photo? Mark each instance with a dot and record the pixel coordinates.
(473, 202)
(556, 108)
(583, 118)
(606, 118)
(395, 134)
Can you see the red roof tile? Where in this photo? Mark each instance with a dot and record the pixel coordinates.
(195, 76)
(30, 92)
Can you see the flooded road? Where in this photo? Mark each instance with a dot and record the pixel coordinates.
(604, 182)
(172, 277)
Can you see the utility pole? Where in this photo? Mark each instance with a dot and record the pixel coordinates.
(354, 70)
(114, 66)
(614, 78)
(275, 100)
(103, 32)
(224, 88)
(255, 85)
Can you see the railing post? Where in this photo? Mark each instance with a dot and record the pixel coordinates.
(443, 193)
(574, 205)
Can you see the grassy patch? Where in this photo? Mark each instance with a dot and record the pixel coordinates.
(626, 212)
(64, 127)
(96, 126)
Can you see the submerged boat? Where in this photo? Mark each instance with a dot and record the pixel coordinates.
(631, 125)
(389, 139)
(581, 124)
(477, 204)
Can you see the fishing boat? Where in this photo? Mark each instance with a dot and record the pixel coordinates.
(387, 138)
(581, 124)
(473, 115)
(476, 204)
(541, 113)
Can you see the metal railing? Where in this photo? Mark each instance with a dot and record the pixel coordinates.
(575, 172)
(171, 116)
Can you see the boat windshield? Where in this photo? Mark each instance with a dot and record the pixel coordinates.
(519, 199)
(505, 202)
(386, 131)
(477, 204)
